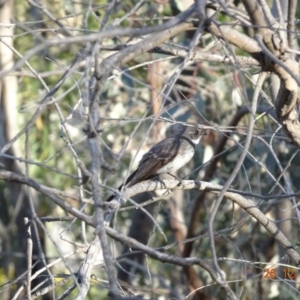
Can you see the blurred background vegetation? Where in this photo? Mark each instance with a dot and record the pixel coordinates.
(137, 105)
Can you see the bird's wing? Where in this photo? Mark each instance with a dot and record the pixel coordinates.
(158, 156)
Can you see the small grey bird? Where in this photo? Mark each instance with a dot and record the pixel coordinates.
(167, 156)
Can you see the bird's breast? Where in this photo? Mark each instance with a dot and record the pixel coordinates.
(184, 155)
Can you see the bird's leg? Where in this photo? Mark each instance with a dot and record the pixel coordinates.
(177, 178)
(156, 177)
(198, 182)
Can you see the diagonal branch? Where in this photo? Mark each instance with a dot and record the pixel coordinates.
(256, 15)
(291, 36)
(110, 33)
(148, 186)
(235, 38)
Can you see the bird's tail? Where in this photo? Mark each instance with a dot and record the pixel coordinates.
(110, 198)
(127, 183)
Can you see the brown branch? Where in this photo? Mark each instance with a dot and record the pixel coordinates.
(85, 270)
(166, 258)
(196, 55)
(29, 257)
(282, 68)
(193, 225)
(236, 169)
(256, 15)
(274, 39)
(242, 111)
(139, 48)
(101, 74)
(288, 95)
(50, 193)
(268, 15)
(99, 214)
(149, 186)
(171, 25)
(291, 20)
(276, 59)
(248, 205)
(235, 38)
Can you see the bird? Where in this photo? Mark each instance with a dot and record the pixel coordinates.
(166, 157)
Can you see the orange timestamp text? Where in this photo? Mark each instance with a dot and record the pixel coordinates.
(271, 273)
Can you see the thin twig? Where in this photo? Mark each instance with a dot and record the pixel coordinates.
(235, 170)
(29, 257)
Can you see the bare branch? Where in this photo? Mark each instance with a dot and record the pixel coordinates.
(236, 169)
(291, 21)
(246, 204)
(236, 38)
(256, 15)
(84, 273)
(196, 55)
(10, 176)
(29, 258)
(166, 258)
(174, 23)
(267, 12)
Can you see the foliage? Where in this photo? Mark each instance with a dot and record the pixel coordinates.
(90, 108)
